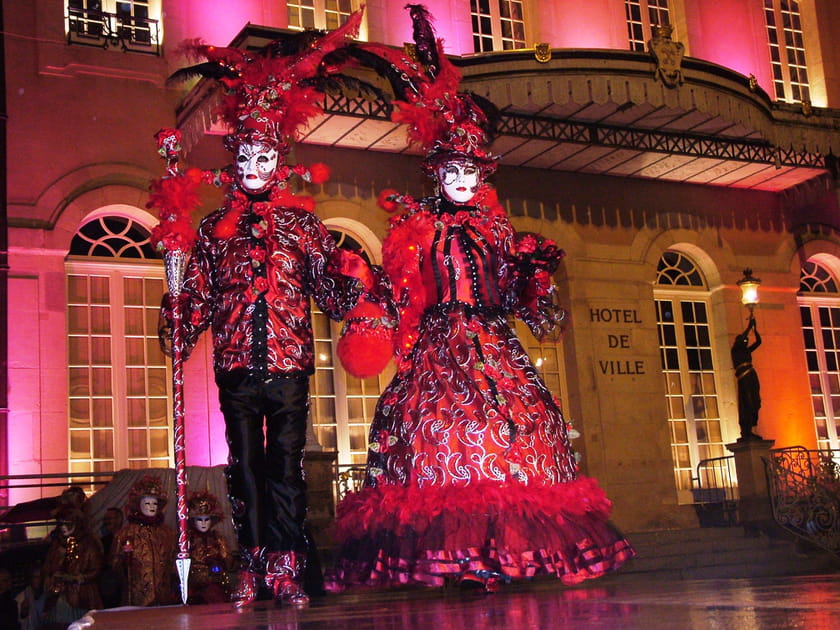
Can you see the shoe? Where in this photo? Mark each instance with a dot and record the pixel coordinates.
(246, 589)
(489, 581)
(283, 570)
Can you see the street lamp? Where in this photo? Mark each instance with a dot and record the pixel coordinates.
(749, 290)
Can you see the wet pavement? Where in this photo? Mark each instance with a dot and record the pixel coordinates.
(615, 602)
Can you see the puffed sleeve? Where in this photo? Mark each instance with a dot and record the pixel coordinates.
(327, 275)
(530, 292)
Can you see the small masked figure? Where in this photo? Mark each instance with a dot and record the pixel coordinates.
(209, 552)
(144, 549)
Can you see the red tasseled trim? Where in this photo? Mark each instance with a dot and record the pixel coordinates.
(398, 508)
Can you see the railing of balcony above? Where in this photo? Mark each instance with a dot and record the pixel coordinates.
(130, 33)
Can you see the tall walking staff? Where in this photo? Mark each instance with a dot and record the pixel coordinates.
(175, 196)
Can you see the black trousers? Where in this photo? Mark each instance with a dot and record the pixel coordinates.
(265, 423)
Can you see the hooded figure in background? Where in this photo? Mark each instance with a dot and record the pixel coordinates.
(71, 568)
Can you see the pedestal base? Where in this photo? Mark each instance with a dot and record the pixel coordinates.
(754, 511)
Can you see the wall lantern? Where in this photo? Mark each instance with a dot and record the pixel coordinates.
(749, 290)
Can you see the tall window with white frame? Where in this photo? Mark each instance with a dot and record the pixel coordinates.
(119, 381)
(819, 308)
(787, 51)
(342, 406)
(497, 25)
(547, 357)
(318, 14)
(691, 382)
(642, 15)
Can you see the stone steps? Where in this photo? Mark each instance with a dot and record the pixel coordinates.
(722, 552)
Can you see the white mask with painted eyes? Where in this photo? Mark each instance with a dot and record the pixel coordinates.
(148, 506)
(459, 180)
(255, 167)
(202, 523)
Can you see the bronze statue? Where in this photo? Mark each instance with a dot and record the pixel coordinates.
(749, 389)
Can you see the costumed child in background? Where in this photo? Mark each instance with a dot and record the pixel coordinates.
(144, 549)
(209, 551)
(256, 264)
(71, 569)
(470, 474)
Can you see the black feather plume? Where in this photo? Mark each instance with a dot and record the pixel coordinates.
(209, 69)
(424, 36)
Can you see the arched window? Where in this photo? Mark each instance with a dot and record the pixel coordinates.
(691, 381)
(819, 307)
(787, 50)
(119, 382)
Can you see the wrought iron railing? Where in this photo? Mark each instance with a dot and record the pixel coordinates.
(113, 30)
(805, 494)
(30, 519)
(715, 492)
(348, 479)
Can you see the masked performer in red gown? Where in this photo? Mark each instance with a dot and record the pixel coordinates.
(470, 474)
(257, 262)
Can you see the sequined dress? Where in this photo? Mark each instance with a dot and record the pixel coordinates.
(470, 469)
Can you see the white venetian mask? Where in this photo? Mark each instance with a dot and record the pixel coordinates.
(459, 180)
(255, 166)
(149, 506)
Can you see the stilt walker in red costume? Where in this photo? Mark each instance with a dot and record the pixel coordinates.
(470, 474)
(257, 262)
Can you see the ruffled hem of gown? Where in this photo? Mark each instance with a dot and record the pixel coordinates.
(396, 536)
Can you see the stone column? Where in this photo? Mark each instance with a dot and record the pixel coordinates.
(754, 511)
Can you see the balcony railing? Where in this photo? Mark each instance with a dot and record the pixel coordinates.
(113, 30)
(805, 494)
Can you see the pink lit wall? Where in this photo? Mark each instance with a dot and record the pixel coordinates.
(218, 21)
(390, 23)
(577, 24)
(732, 35)
(204, 428)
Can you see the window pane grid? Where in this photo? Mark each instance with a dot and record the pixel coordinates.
(642, 16)
(787, 51)
(821, 332)
(497, 25)
(318, 14)
(322, 395)
(119, 383)
(691, 393)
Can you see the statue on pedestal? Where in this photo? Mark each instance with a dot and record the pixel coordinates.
(749, 390)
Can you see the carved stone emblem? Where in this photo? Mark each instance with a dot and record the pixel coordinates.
(542, 52)
(668, 55)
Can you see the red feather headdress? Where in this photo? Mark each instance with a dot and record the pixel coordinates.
(269, 93)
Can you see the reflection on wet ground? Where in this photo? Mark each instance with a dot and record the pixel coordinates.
(614, 602)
